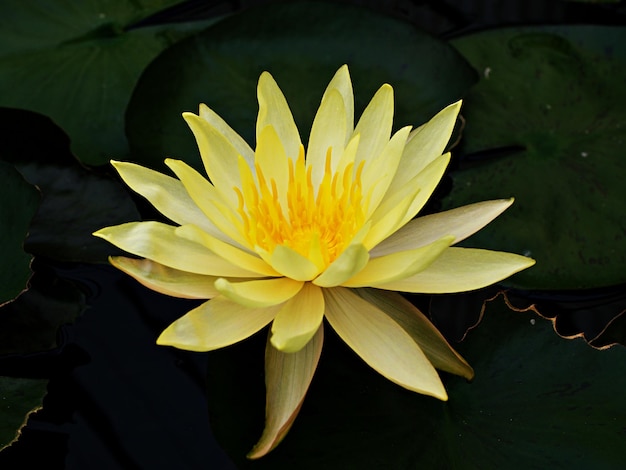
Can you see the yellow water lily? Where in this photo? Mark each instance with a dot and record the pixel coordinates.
(289, 236)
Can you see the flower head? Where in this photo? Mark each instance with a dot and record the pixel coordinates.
(289, 237)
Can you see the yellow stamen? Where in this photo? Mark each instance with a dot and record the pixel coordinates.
(317, 222)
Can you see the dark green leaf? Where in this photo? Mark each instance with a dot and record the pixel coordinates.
(302, 44)
(78, 62)
(557, 95)
(18, 397)
(537, 401)
(19, 203)
(76, 201)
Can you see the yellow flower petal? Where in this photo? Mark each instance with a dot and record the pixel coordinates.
(291, 264)
(218, 155)
(217, 123)
(350, 262)
(298, 319)
(233, 255)
(215, 324)
(342, 83)
(381, 170)
(167, 280)
(381, 342)
(460, 222)
(399, 265)
(374, 126)
(206, 197)
(260, 293)
(426, 143)
(271, 158)
(158, 242)
(460, 270)
(274, 111)
(287, 379)
(166, 194)
(423, 332)
(328, 134)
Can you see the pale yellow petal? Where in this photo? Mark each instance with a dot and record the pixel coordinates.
(274, 111)
(290, 263)
(378, 173)
(271, 158)
(168, 281)
(206, 197)
(298, 319)
(423, 332)
(250, 262)
(385, 223)
(159, 242)
(259, 293)
(166, 194)
(215, 324)
(287, 379)
(419, 189)
(350, 262)
(215, 121)
(399, 265)
(328, 134)
(381, 342)
(460, 222)
(342, 83)
(460, 270)
(218, 155)
(426, 143)
(374, 126)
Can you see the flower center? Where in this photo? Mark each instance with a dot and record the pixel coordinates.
(318, 223)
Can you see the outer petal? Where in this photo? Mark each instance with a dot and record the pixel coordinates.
(166, 194)
(426, 143)
(217, 123)
(274, 111)
(206, 197)
(460, 270)
(460, 222)
(298, 319)
(287, 379)
(329, 133)
(423, 332)
(381, 170)
(216, 323)
(419, 190)
(381, 342)
(399, 265)
(261, 293)
(166, 280)
(375, 125)
(233, 255)
(158, 242)
(218, 155)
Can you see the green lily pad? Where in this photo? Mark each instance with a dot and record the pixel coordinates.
(20, 202)
(550, 101)
(537, 401)
(18, 397)
(75, 202)
(302, 44)
(78, 63)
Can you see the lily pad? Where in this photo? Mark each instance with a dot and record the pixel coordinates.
(302, 44)
(537, 401)
(18, 397)
(546, 124)
(20, 203)
(75, 202)
(78, 63)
